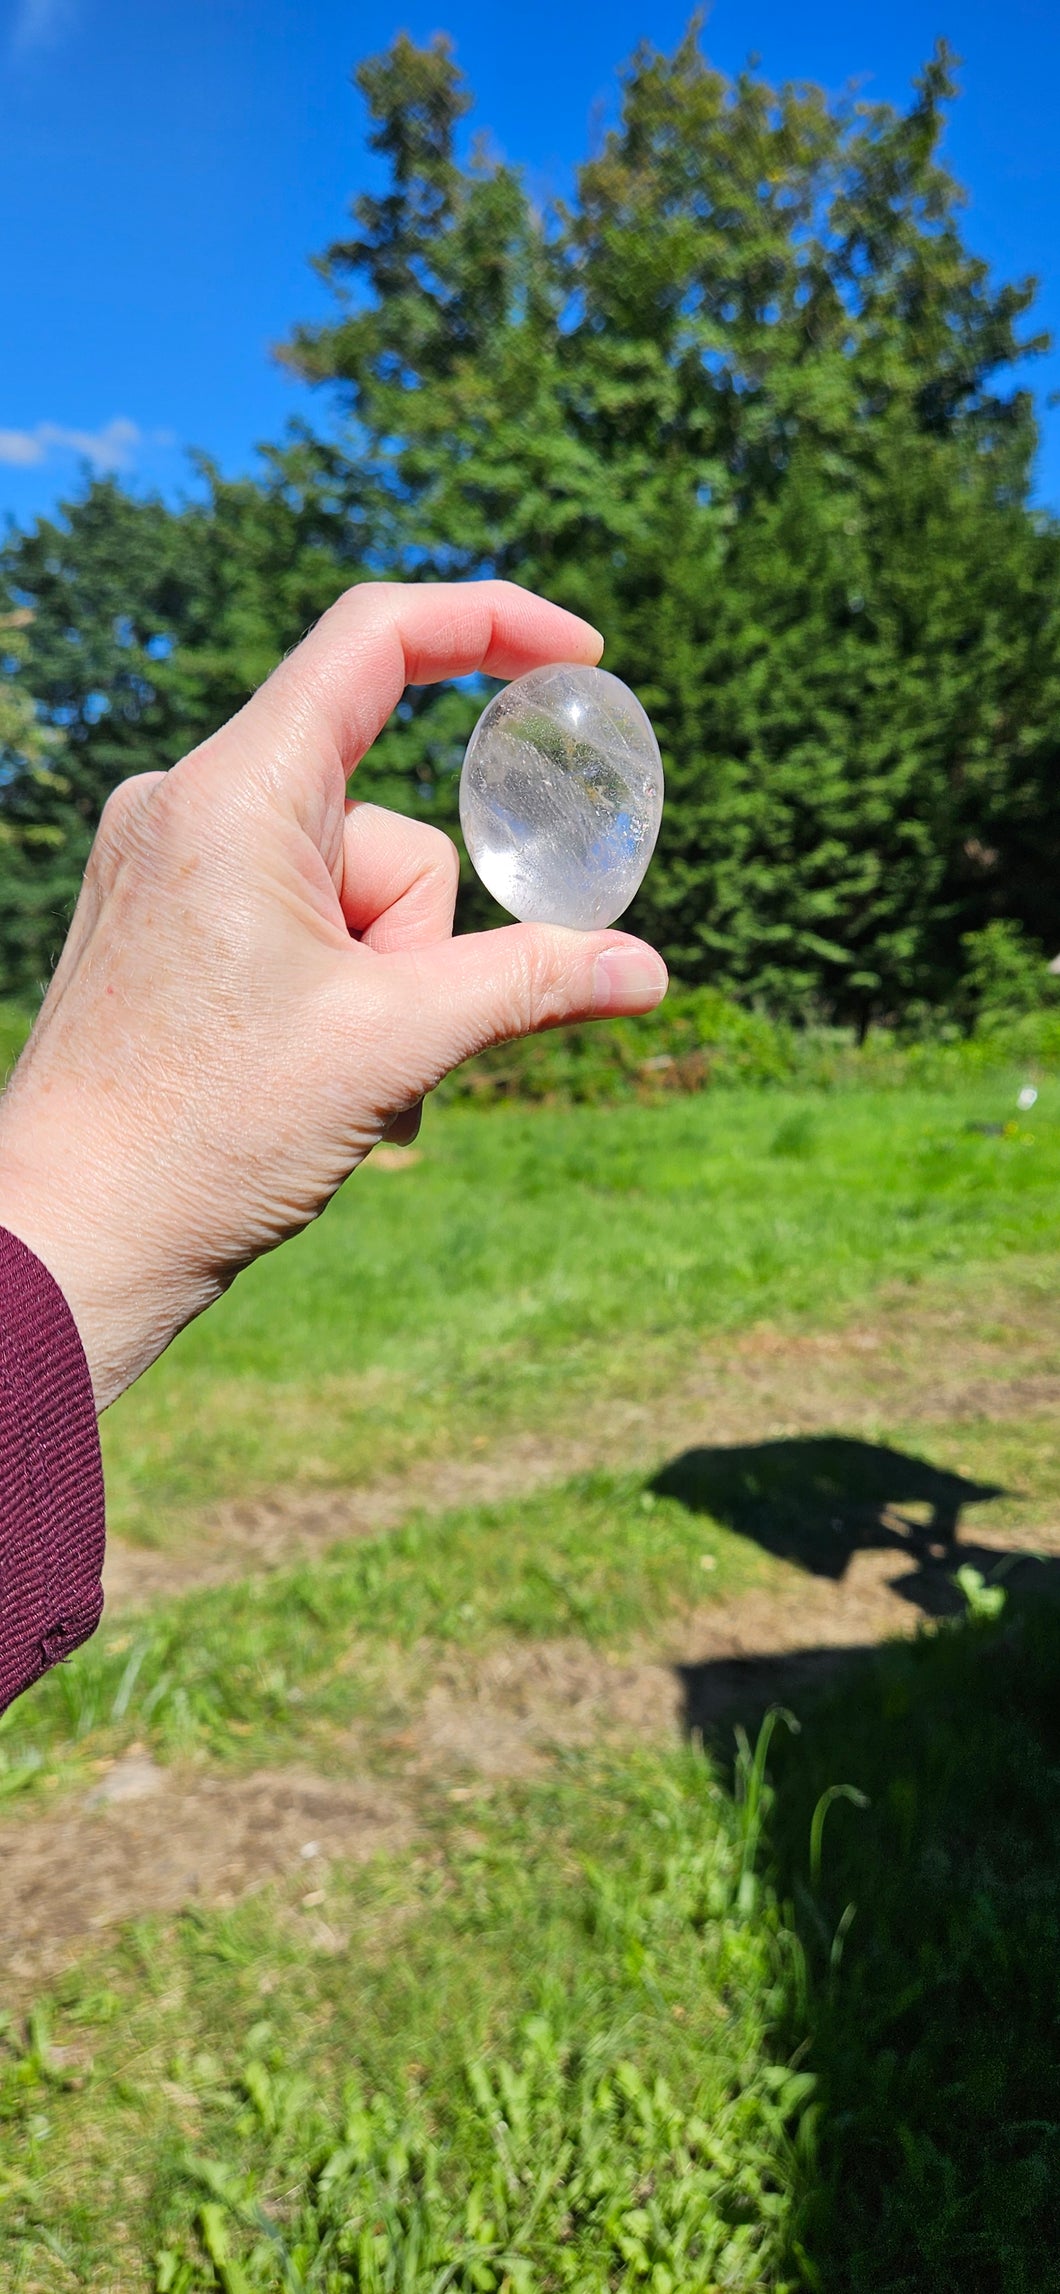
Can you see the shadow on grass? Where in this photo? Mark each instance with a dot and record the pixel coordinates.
(817, 1499)
(930, 1919)
(935, 2003)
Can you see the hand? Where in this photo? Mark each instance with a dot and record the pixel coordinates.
(260, 979)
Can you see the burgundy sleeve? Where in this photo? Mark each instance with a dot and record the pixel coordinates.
(51, 1478)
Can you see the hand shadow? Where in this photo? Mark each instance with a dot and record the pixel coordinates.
(817, 1499)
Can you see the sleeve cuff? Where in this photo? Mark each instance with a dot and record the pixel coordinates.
(51, 1476)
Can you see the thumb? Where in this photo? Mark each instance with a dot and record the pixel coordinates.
(460, 995)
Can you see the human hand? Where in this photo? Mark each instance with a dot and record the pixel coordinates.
(260, 980)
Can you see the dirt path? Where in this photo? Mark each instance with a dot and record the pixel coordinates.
(923, 1358)
(145, 1839)
(149, 1840)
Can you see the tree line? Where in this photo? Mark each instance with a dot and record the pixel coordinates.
(745, 399)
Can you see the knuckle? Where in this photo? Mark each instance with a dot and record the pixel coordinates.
(542, 997)
(363, 598)
(123, 805)
(440, 856)
(561, 968)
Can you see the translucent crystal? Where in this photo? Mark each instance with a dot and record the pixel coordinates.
(561, 797)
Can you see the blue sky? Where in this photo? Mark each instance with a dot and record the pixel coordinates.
(167, 169)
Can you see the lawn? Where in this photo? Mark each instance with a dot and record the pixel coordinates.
(571, 2002)
(532, 1265)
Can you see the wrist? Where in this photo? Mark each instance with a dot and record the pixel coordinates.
(125, 1310)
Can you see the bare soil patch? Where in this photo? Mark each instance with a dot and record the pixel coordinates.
(930, 1357)
(148, 1839)
(145, 1839)
(502, 1715)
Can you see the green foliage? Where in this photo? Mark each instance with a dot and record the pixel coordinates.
(15, 1023)
(740, 401)
(696, 1039)
(1006, 975)
(23, 739)
(144, 629)
(41, 853)
(701, 1040)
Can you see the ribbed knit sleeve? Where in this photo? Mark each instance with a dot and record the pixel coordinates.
(51, 1478)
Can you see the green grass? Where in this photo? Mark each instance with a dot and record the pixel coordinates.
(563, 2076)
(532, 1262)
(607, 2031)
(613, 2027)
(282, 1665)
(935, 2041)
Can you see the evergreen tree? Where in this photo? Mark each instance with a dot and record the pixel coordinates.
(144, 628)
(742, 402)
(37, 865)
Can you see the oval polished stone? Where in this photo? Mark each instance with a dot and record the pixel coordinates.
(561, 796)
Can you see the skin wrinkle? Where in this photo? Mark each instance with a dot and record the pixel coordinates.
(397, 887)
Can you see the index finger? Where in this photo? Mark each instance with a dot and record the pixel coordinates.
(327, 701)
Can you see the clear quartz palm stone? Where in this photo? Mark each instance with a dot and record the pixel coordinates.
(561, 797)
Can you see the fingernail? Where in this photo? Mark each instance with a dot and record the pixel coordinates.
(628, 980)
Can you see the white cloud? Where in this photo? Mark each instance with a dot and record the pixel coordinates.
(39, 23)
(114, 447)
(20, 448)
